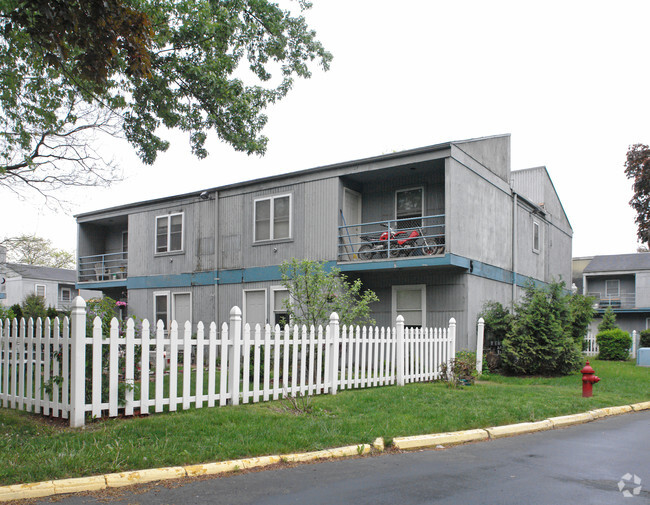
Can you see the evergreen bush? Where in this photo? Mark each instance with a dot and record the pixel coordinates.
(614, 345)
(644, 339)
(542, 340)
(609, 321)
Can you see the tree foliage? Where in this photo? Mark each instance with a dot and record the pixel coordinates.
(315, 293)
(547, 330)
(73, 67)
(33, 250)
(609, 320)
(498, 320)
(637, 168)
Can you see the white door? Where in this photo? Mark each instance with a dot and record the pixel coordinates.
(351, 216)
(182, 309)
(255, 307)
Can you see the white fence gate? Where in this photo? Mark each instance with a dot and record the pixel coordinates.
(54, 368)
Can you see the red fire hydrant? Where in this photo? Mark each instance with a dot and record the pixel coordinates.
(588, 378)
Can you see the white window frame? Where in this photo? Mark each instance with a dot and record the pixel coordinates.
(266, 305)
(157, 294)
(44, 286)
(271, 218)
(618, 288)
(647, 323)
(169, 230)
(272, 310)
(66, 290)
(410, 287)
(404, 190)
(537, 230)
(181, 325)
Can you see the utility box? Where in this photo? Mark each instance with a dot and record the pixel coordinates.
(643, 356)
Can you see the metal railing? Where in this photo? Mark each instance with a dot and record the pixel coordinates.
(102, 267)
(395, 238)
(620, 301)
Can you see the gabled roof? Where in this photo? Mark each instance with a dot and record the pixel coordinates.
(43, 273)
(619, 263)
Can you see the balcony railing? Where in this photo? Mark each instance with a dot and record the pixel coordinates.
(396, 238)
(103, 267)
(620, 301)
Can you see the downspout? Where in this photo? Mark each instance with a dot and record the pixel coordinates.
(217, 262)
(514, 247)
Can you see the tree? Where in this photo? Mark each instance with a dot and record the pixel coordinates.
(637, 168)
(73, 68)
(609, 321)
(542, 337)
(33, 250)
(315, 293)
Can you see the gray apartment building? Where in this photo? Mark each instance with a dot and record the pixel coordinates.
(435, 231)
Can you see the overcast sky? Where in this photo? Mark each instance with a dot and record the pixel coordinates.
(569, 81)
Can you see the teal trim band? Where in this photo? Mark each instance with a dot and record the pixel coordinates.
(272, 273)
(3, 296)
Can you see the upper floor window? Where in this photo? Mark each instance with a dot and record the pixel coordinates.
(39, 289)
(536, 236)
(169, 233)
(273, 218)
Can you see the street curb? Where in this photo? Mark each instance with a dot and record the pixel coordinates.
(519, 429)
(450, 438)
(99, 482)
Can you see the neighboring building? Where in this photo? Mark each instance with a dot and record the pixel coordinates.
(622, 282)
(55, 285)
(193, 256)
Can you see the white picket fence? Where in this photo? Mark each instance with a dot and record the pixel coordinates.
(54, 368)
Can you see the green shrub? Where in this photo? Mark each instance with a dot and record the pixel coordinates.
(644, 340)
(17, 310)
(609, 321)
(498, 321)
(6, 314)
(34, 307)
(462, 371)
(614, 344)
(541, 341)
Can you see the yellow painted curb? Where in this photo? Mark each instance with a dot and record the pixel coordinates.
(518, 429)
(610, 411)
(350, 450)
(378, 444)
(449, 438)
(140, 476)
(561, 421)
(640, 406)
(230, 466)
(95, 483)
(22, 491)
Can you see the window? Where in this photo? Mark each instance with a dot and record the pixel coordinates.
(273, 218)
(408, 204)
(612, 288)
(161, 309)
(125, 244)
(169, 233)
(410, 302)
(535, 236)
(280, 314)
(66, 294)
(40, 290)
(255, 307)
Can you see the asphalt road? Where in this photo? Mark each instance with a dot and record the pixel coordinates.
(577, 465)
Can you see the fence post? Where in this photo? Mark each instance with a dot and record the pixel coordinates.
(634, 344)
(399, 350)
(234, 354)
(479, 345)
(78, 362)
(334, 352)
(452, 339)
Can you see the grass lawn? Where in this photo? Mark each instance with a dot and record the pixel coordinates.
(34, 449)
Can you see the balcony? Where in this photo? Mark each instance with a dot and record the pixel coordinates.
(103, 267)
(620, 301)
(395, 238)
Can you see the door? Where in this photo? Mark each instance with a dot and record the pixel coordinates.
(351, 216)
